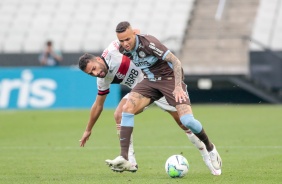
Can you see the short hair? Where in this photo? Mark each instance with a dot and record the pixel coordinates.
(49, 43)
(84, 60)
(122, 26)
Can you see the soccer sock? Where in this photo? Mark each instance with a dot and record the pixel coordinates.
(131, 153)
(126, 129)
(196, 127)
(203, 137)
(197, 143)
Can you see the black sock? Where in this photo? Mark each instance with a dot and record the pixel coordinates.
(125, 133)
(204, 138)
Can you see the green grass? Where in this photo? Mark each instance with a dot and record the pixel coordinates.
(43, 146)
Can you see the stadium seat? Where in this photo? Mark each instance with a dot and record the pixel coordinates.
(56, 20)
(268, 26)
(12, 46)
(92, 46)
(12, 2)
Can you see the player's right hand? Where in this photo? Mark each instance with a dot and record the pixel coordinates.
(84, 138)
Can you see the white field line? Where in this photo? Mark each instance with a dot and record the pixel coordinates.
(136, 147)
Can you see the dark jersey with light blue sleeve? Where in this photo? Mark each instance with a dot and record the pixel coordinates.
(149, 54)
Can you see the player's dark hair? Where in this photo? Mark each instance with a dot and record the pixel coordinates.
(84, 60)
(122, 26)
(49, 43)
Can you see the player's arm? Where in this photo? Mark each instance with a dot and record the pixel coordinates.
(95, 112)
(178, 92)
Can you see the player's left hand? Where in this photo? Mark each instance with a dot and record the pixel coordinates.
(84, 138)
(179, 94)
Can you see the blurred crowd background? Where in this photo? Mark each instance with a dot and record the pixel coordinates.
(231, 50)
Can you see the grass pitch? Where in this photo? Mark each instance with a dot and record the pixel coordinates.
(43, 146)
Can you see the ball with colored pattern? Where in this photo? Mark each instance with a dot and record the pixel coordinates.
(176, 166)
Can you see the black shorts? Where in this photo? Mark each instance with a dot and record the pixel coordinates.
(160, 87)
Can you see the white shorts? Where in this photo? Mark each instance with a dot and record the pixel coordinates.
(162, 103)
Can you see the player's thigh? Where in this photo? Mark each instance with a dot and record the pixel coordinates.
(183, 109)
(135, 103)
(166, 87)
(148, 89)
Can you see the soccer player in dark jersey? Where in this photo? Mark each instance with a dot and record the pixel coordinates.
(163, 76)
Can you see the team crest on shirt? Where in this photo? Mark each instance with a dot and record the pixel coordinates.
(141, 54)
(120, 76)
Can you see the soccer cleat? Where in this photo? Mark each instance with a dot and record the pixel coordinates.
(215, 158)
(116, 169)
(133, 169)
(131, 157)
(208, 163)
(207, 160)
(120, 164)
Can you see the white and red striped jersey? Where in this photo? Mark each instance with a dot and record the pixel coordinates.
(120, 70)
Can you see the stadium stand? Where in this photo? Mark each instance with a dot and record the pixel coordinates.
(266, 46)
(218, 50)
(268, 26)
(215, 46)
(87, 25)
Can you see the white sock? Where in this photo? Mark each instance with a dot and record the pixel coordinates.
(198, 144)
(131, 154)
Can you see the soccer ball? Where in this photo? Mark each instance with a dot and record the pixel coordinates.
(176, 166)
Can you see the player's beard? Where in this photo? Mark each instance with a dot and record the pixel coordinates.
(103, 71)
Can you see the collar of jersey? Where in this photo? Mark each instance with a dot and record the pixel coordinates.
(136, 44)
(105, 62)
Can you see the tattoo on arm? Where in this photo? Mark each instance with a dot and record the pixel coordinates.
(177, 70)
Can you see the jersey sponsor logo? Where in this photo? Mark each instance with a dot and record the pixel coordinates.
(142, 63)
(116, 45)
(105, 53)
(131, 77)
(156, 50)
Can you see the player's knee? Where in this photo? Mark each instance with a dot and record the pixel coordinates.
(128, 108)
(125, 108)
(190, 122)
